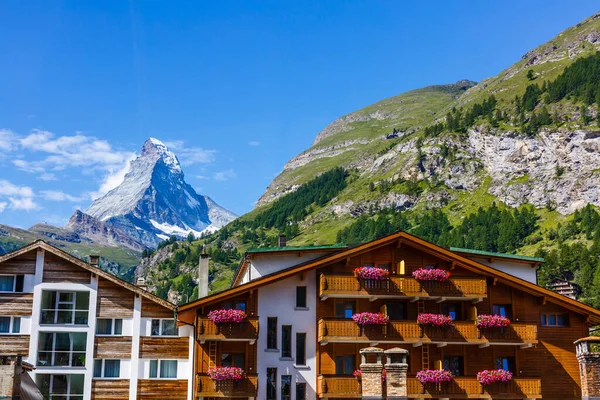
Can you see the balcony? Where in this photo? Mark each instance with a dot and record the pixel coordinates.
(332, 330)
(247, 330)
(247, 387)
(468, 387)
(398, 286)
(348, 387)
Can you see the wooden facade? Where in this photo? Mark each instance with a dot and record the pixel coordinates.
(541, 357)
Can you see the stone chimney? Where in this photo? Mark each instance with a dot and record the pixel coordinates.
(372, 387)
(94, 260)
(141, 283)
(396, 369)
(589, 366)
(203, 274)
(10, 377)
(282, 241)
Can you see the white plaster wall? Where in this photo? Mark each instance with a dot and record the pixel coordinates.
(265, 264)
(520, 270)
(127, 327)
(28, 283)
(279, 300)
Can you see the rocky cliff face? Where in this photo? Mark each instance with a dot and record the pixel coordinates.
(154, 201)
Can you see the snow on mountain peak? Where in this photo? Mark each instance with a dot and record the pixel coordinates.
(154, 146)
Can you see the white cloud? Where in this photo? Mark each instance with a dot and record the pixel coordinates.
(3, 205)
(46, 176)
(8, 140)
(254, 143)
(23, 203)
(113, 178)
(191, 155)
(28, 166)
(202, 177)
(20, 197)
(57, 195)
(225, 175)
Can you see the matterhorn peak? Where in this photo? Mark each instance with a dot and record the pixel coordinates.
(157, 149)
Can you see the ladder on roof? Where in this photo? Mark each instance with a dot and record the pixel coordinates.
(212, 354)
(425, 356)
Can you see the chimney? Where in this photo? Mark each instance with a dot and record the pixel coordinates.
(282, 241)
(396, 368)
(589, 366)
(94, 260)
(372, 371)
(203, 274)
(141, 283)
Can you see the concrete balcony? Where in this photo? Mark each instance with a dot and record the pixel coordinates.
(335, 330)
(400, 286)
(246, 330)
(247, 387)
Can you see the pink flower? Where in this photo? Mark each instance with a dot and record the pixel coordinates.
(487, 377)
(439, 320)
(226, 316)
(226, 373)
(368, 318)
(434, 376)
(435, 274)
(492, 321)
(371, 273)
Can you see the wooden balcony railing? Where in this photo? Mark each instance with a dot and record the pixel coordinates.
(245, 330)
(247, 387)
(338, 387)
(468, 387)
(348, 387)
(346, 285)
(346, 330)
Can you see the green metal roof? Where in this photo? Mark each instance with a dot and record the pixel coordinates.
(492, 254)
(297, 248)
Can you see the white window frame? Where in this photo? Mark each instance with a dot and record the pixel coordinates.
(159, 362)
(112, 327)
(73, 311)
(11, 327)
(66, 395)
(14, 286)
(102, 369)
(160, 327)
(54, 351)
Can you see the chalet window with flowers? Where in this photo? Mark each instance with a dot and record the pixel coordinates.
(233, 360)
(454, 364)
(506, 363)
(503, 310)
(454, 310)
(396, 311)
(345, 309)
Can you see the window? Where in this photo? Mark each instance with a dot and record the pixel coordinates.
(502, 309)
(64, 308)
(232, 360)
(345, 309)
(164, 327)
(107, 368)
(109, 326)
(272, 333)
(61, 387)
(286, 387)
(396, 311)
(301, 296)
(286, 341)
(10, 325)
(235, 305)
(453, 310)
(271, 383)
(454, 364)
(344, 365)
(163, 369)
(300, 391)
(11, 283)
(555, 319)
(300, 348)
(61, 349)
(384, 266)
(506, 363)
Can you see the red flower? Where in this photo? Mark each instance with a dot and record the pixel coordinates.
(434, 319)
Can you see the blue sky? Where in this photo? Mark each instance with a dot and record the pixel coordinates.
(236, 87)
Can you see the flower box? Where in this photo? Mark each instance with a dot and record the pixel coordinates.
(226, 316)
(491, 321)
(371, 273)
(439, 320)
(429, 376)
(488, 377)
(220, 374)
(434, 274)
(369, 318)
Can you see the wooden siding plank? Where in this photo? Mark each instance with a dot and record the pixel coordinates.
(161, 389)
(164, 347)
(110, 389)
(114, 301)
(57, 270)
(23, 264)
(16, 303)
(14, 344)
(112, 347)
(155, 310)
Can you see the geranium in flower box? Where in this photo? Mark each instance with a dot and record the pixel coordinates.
(438, 320)
(221, 374)
(369, 318)
(491, 321)
(490, 376)
(371, 273)
(431, 376)
(431, 274)
(226, 316)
